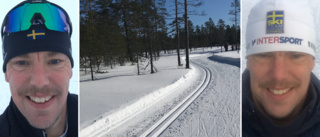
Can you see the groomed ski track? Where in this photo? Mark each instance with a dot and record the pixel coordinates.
(202, 115)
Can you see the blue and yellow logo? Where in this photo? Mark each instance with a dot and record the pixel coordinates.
(275, 22)
(36, 34)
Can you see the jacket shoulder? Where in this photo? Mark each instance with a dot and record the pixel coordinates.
(73, 98)
(5, 124)
(72, 115)
(314, 131)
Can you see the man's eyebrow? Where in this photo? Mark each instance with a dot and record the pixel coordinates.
(51, 54)
(24, 56)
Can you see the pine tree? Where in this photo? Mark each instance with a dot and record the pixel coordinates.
(236, 13)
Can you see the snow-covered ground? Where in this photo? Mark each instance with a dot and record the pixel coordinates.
(230, 54)
(216, 112)
(121, 94)
(122, 86)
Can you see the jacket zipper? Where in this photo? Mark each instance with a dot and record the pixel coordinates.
(44, 133)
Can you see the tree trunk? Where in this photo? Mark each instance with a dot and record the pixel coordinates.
(138, 64)
(187, 33)
(127, 35)
(91, 69)
(85, 66)
(178, 37)
(150, 53)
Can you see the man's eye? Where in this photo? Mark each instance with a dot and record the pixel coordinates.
(54, 61)
(262, 55)
(296, 56)
(21, 63)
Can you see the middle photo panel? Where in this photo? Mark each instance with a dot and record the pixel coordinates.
(160, 68)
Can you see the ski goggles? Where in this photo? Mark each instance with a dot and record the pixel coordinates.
(26, 14)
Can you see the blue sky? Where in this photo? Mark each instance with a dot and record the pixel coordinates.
(216, 9)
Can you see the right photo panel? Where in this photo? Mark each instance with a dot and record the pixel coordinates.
(280, 68)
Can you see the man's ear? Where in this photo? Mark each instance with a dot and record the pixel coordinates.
(248, 64)
(71, 74)
(6, 76)
(313, 64)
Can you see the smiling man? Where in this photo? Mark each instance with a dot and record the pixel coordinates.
(38, 66)
(280, 93)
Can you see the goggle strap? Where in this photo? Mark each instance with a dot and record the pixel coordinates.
(3, 24)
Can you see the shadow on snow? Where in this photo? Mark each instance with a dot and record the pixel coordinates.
(226, 60)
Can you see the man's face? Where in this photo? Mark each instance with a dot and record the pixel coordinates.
(279, 82)
(39, 84)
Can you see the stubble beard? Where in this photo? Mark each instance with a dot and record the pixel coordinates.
(295, 110)
(31, 91)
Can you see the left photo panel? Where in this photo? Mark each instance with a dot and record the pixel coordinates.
(40, 64)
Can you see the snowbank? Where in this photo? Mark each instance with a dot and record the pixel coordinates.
(112, 121)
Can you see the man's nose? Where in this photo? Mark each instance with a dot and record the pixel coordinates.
(39, 76)
(279, 68)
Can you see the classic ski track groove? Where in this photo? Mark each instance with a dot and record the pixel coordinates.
(160, 126)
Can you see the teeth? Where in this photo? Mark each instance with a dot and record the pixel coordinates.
(279, 92)
(40, 100)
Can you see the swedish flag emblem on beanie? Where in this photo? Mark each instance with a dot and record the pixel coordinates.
(36, 34)
(281, 25)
